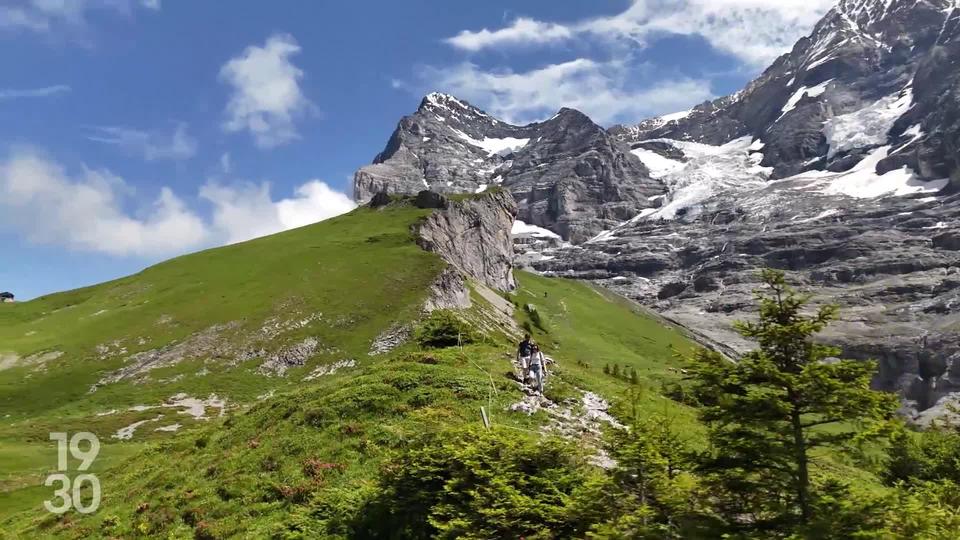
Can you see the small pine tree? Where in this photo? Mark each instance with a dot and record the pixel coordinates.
(651, 491)
(634, 379)
(616, 370)
(535, 317)
(766, 413)
(527, 327)
(606, 369)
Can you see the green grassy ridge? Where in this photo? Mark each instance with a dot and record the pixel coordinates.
(247, 472)
(301, 461)
(589, 327)
(361, 270)
(356, 419)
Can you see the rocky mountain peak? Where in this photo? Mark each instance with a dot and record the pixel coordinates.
(864, 12)
(567, 115)
(445, 104)
(566, 173)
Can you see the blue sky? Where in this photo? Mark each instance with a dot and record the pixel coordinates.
(136, 130)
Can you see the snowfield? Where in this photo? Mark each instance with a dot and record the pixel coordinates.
(711, 171)
(813, 91)
(732, 171)
(868, 126)
(503, 147)
(520, 227)
(658, 165)
(863, 182)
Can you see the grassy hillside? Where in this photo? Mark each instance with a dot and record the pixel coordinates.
(302, 460)
(341, 281)
(211, 319)
(249, 404)
(587, 328)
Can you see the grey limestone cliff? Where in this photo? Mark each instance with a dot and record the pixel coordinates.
(473, 236)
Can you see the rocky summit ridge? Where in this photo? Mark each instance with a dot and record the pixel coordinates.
(872, 74)
(840, 164)
(566, 173)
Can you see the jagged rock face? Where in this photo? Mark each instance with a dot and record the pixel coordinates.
(473, 236)
(893, 266)
(875, 89)
(567, 173)
(862, 52)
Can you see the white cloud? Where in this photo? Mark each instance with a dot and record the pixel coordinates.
(87, 211)
(46, 91)
(246, 211)
(50, 15)
(599, 89)
(15, 18)
(178, 145)
(266, 97)
(522, 31)
(225, 164)
(755, 31)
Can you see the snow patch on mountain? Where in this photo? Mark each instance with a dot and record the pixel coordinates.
(863, 182)
(502, 147)
(821, 215)
(712, 170)
(451, 104)
(520, 227)
(914, 132)
(658, 165)
(868, 126)
(733, 170)
(804, 91)
(673, 117)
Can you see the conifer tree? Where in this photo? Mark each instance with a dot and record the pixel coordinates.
(770, 409)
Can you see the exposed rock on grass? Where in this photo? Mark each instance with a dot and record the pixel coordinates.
(390, 339)
(293, 356)
(330, 369)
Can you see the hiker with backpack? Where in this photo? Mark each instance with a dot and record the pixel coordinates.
(523, 356)
(538, 368)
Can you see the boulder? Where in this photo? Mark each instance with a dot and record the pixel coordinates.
(380, 199)
(949, 240)
(430, 199)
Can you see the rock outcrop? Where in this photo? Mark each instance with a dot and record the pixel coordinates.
(893, 266)
(473, 236)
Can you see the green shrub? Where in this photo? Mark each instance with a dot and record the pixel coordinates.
(472, 484)
(443, 328)
(536, 317)
(527, 327)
